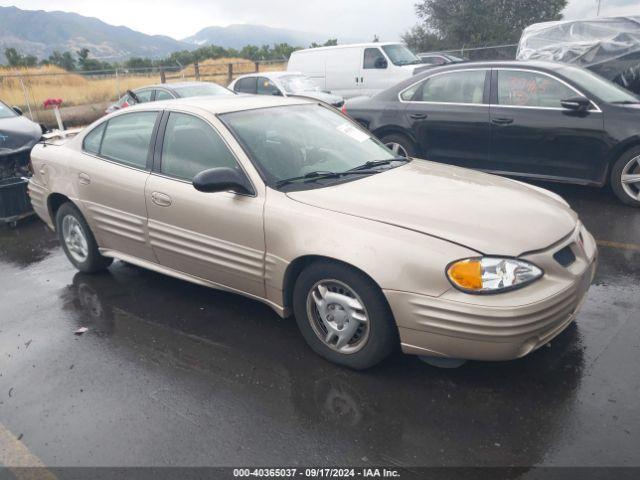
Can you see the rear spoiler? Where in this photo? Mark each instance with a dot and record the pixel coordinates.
(59, 136)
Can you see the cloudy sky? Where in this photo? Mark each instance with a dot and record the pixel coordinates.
(357, 19)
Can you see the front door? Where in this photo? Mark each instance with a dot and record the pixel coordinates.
(218, 237)
(532, 135)
(111, 174)
(449, 116)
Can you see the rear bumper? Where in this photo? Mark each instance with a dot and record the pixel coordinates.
(498, 327)
(38, 195)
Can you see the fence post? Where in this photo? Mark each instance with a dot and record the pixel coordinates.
(163, 78)
(257, 66)
(26, 98)
(196, 67)
(229, 73)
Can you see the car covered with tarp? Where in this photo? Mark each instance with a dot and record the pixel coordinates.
(609, 47)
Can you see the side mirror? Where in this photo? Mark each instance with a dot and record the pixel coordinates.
(381, 63)
(577, 104)
(18, 110)
(222, 179)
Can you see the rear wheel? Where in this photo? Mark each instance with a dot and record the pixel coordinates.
(78, 241)
(343, 315)
(625, 177)
(400, 145)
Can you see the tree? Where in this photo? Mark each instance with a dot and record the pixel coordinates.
(63, 60)
(16, 59)
(90, 64)
(476, 23)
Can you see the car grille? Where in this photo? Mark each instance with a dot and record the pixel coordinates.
(565, 257)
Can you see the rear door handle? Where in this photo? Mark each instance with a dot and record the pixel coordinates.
(418, 116)
(84, 179)
(161, 199)
(502, 121)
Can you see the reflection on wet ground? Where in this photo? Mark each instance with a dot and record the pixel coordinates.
(175, 374)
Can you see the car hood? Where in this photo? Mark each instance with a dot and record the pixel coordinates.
(323, 96)
(17, 134)
(487, 213)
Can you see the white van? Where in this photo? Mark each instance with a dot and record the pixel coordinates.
(355, 70)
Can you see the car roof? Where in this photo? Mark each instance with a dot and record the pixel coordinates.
(221, 104)
(170, 85)
(278, 74)
(335, 47)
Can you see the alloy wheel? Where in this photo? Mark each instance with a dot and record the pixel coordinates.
(631, 178)
(397, 149)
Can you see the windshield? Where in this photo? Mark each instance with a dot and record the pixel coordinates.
(203, 90)
(400, 55)
(298, 83)
(6, 111)
(599, 86)
(293, 141)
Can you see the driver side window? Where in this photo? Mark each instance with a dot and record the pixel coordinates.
(373, 58)
(190, 146)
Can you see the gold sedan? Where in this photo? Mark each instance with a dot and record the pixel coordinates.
(289, 202)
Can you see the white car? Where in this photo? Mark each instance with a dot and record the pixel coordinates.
(356, 70)
(283, 84)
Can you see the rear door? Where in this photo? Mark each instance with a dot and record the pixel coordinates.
(448, 114)
(111, 175)
(343, 71)
(533, 135)
(214, 236)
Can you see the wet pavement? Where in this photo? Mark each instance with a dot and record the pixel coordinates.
(171, 373)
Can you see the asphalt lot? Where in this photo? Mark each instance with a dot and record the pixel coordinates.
(176, 374)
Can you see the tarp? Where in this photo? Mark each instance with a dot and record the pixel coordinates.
(607, 46)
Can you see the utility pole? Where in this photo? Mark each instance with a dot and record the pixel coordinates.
(599, 5)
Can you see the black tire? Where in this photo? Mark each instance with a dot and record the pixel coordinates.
(94, 261)
(616, 177)
(402, 140)
(383, 333)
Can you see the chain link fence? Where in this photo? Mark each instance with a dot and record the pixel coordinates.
(497, 52)
(86, 94)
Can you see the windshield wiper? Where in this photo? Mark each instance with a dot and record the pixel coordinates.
(377, 163)
(321, 175)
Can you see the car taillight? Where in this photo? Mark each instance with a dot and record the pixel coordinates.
(344, 108)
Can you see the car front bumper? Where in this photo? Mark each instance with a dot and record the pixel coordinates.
(500, 326)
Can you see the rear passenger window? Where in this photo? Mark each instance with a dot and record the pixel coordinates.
(192, 146)
(91, 142)
(163, 95)
(246, 85)
(466, 86)
(144, 96)
(267, 87)
(127, 138)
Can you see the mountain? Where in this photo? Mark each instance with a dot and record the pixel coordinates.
(39, 33)
(237, 36)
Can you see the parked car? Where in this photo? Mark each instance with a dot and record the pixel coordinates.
(283, 84)
(536, 120)
(608, 46)
(168, 91)
(359, 69)
(288, 202)
(18, 135)
(439, 58)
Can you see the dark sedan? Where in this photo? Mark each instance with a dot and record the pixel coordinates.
(525, 119)
(18, 135)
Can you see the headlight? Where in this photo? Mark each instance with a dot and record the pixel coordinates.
(491, 274)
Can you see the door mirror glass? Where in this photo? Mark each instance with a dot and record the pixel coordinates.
(222, 179)
(18, 110)
(578, 104)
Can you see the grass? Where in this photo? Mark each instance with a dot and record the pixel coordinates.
(41, 83)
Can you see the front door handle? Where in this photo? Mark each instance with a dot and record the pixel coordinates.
(418, 116)
(161, 199)
(84, 179)
(502, 121)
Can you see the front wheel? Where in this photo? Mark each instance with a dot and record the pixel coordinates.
(625, 177)
(343, 315)
(78, 241)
